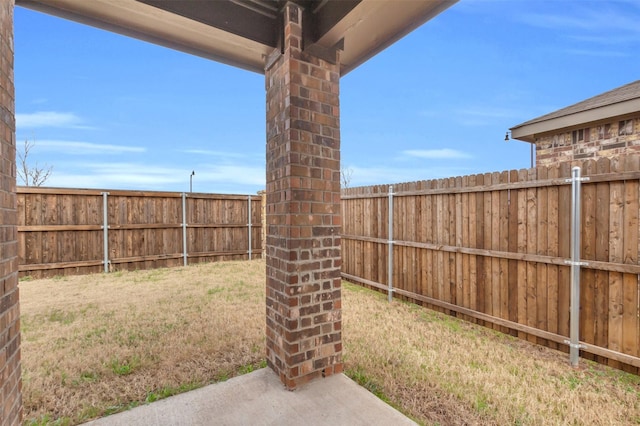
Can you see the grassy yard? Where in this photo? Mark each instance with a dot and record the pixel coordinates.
(99, 344)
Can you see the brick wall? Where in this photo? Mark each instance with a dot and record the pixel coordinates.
(603, 140)
(10, 384)
(263, 215)
(303, 211)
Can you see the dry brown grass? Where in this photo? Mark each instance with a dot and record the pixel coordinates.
(441, 370)
(102, 343)
(98, 344)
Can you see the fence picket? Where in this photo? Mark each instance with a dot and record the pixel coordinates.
(616, 254)
(522, 248)
(457, 257)
(552, 250)
(512, 246)
(503, 216)
(491, 248)
(480, 243)
(60, 230)
(473, 268)
(588, 291)
(564, 251)
(496, 279)
(464, 242)
(542, 242)
(601, 320)
(630, 340)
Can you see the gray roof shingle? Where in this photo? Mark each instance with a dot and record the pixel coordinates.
(620, 94)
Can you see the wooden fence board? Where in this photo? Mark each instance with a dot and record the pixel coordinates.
(564, 251)
(382, 232)
(428, 232)
(494, 293)
(522, 248)
(423, 237)
(503, 217)
(587, 278)
(630, 284)
(512, 246)
(487, 306)
(616, 254)
(532, 245)
(493, 249)
(601, 319)
(63, 228)
(458, 262)
(448, 234)
(438, 257)
(473, 268)
(480, 243)
(464, 241)
(552, 250)
(451, 217)
(413, 283)
(542, 239)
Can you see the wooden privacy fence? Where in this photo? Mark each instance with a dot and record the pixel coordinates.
(77, 231)
(493, 248)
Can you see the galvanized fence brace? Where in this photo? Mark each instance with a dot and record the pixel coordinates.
(574, 327)
(249, 225)
(574, 262)
(105, 229)
(390, 243)
(184, 228)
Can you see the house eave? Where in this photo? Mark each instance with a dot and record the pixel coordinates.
(530, 132)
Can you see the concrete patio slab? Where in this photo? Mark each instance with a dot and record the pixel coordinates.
(259, 398)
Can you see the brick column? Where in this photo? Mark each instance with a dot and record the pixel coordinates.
(304, 338)
(10, 383)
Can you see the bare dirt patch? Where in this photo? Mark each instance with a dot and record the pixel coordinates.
(98, 344)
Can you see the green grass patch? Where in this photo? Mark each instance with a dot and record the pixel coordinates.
(48, 420)
(57, 315)
(124, 367)
(362, 378)
(248, 368)
(168, 391)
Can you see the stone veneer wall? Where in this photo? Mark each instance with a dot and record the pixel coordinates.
(603, 140)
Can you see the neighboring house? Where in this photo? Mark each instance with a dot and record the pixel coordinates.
(603, 126)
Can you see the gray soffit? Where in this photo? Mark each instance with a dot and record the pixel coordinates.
(620, 102)
(243, 33)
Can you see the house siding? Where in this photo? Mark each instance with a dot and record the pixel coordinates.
(607, 139)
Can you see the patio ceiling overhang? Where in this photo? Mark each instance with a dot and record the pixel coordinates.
(243, 33)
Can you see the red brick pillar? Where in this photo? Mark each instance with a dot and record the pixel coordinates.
(304, 338)
(10, 384)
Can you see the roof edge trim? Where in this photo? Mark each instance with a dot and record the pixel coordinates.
(529, 132)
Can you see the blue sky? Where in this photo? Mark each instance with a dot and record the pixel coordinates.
(112, 112)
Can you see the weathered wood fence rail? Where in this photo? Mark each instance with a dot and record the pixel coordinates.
(493, 248)
(62, 231)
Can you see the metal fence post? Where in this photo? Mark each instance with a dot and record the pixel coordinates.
(249, 208)
(184, 229)
(105, 231)
(390, 244)
(574, 328)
